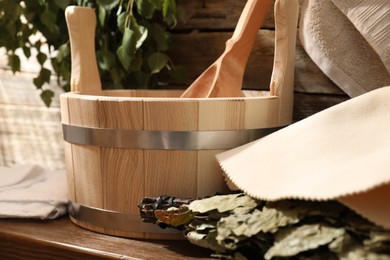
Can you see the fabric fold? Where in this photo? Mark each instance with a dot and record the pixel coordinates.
(31, 192)
(339, 50)
(20, 176)
(372, 19)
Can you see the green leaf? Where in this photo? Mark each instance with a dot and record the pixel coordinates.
(124, 57)
(47, 97)
(160, 36)
(169, 12)
(108, 4)
(41, 57)
(136, 62)
(42, 78)
(145, 8)
(157, 61)
(106, 59)
(65, 71)
(302, 239)
(179, 74)
(121, 19)
(62, 3)
(141, 79)
(158, 4)
(63, 52)
(141, 33)
(14, 62)
(127, 49)
(27, 51)
(38, 45)
(101, 15)
(222, 203)
(48, 18)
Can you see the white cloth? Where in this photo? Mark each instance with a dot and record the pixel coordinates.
(29, 191)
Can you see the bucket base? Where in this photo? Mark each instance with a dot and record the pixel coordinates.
(118, 223)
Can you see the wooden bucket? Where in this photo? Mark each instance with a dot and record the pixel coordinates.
(124, 145)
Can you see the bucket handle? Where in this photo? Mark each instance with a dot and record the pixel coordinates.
(282, 80)
(81, 22)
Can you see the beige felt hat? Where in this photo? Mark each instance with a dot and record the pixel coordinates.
(340, 153)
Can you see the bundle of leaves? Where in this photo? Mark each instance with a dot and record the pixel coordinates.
(239, 227)
(132, 38)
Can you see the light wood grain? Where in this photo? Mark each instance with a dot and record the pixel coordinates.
(68, 151)
(224, 77)
(282, 79)
(209, 174)
(81, 22)
(86, 159)
(261, 114)
(122, 169)
(170, 172)
(221, 115)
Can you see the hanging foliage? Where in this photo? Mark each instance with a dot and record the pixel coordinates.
(132, 38)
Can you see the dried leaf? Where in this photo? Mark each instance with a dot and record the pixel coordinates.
(174, 217)
(324, 209)
(205, 240)
(362, 254)
(344, 244)
(222, 203)
(303, 238)
(379, 242)
(251, 223)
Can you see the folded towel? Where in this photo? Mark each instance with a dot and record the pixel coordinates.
(372, 19)
(339, 50)
(31, 192)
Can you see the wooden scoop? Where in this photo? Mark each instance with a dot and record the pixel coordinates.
(224, 77)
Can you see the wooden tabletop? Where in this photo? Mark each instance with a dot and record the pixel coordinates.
(61, 239)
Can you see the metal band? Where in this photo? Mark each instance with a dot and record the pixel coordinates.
(162, 140)
(115, 220)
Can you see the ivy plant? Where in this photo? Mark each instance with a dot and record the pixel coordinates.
(132, 39)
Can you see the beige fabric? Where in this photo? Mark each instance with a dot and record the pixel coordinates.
(372, 19)
(337, 152)
(339, 50)
(29, 191)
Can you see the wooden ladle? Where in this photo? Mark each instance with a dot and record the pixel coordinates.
(224, 77)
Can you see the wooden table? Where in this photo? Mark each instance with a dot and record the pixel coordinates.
(61, 239)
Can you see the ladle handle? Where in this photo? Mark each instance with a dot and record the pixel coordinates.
(282, 79)
(249, 23)
(81, 22)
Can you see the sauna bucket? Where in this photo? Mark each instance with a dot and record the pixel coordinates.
(124, 145)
